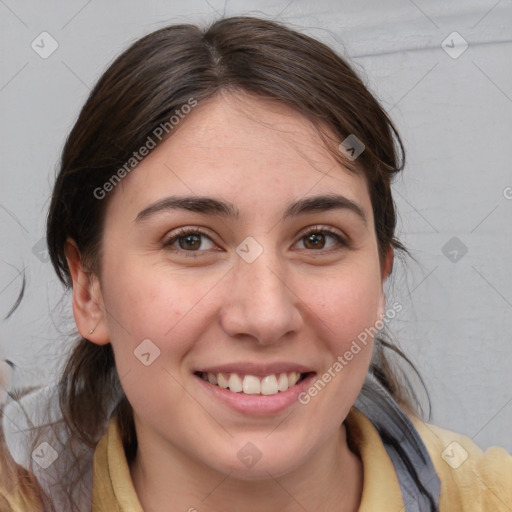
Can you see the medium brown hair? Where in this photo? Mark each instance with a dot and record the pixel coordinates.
(141, 90)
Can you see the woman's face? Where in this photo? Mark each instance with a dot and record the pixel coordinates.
(222, 254)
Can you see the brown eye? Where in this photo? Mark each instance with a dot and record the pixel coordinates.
(314, 241)
(318, 239)
(190, 241)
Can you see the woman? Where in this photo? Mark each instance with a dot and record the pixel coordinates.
(223, 215)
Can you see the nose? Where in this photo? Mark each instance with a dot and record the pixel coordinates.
(260, 302)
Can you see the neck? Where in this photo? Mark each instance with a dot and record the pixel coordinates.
(166, 481)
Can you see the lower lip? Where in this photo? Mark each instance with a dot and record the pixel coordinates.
(257, 404)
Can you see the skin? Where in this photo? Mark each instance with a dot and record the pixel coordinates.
(294, 303)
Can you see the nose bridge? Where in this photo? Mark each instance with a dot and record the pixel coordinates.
(260, 303)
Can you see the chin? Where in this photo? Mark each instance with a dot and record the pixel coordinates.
(260, 471)
(252, 464)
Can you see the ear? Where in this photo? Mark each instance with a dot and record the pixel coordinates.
(387, 264)
(88, 307)
(387, 267)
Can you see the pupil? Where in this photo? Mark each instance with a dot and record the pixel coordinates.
(315, 239)
(191, 242)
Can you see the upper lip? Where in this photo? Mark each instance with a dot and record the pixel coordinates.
(258, 370)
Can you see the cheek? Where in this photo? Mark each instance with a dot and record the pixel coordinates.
(346, 307)
(171, 309)
(153, 323)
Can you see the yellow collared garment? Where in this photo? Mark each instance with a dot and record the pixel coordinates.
(471, 480)
(480, 483)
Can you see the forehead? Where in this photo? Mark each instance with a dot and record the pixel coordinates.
(244, 149)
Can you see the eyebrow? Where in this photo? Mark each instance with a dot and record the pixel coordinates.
(209, 206)
(324, 203)
(199, 204)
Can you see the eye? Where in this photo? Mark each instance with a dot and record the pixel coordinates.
(320, 238)
(190, 240)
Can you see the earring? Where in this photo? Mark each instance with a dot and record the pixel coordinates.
(91, 331)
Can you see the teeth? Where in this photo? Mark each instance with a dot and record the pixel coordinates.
(269, 385)
(221, 381)
(282, 383)
(235, 383)
(252, 385)
(293, 378)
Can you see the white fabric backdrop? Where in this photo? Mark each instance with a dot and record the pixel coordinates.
(453, 111)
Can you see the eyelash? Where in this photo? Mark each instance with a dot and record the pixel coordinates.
(182, 233)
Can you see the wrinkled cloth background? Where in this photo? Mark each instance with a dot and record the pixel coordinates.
(454, 198)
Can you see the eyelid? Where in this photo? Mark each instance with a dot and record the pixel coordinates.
(318, 228)
(171, 237)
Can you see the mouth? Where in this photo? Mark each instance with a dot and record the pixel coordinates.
(252, 388)
(265, 385)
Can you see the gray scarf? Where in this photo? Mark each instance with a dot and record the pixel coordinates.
(419, 483)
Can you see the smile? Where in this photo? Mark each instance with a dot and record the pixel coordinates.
(253, 385)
